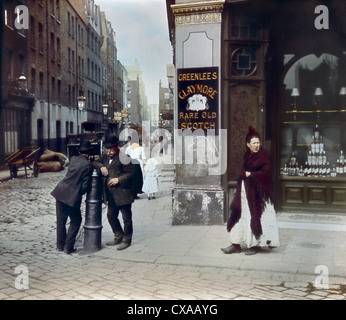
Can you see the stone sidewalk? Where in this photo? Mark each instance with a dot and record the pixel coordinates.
(164, 261)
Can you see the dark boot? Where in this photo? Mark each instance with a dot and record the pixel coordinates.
(123, 245)
(118, 238)
(233, 248)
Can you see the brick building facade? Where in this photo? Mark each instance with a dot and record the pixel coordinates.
(57, 52)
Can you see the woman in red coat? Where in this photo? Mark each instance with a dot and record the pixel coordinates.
(253, 218)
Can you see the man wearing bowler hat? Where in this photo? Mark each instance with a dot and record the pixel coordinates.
(68, 194)
(118, 172)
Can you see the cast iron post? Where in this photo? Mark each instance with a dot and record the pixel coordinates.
(93, 215)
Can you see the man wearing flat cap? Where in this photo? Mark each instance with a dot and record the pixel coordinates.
(68, 194)
(118, 172)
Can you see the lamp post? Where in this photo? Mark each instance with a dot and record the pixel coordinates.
(105, 109)
(93, 215)
(105, 113)
(81, 105)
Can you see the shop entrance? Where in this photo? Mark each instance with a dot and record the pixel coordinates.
(284, 76)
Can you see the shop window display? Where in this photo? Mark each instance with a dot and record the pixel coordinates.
(314, 118)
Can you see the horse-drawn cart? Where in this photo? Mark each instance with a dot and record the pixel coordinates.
(24, 157)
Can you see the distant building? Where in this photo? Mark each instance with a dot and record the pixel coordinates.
(136, 98)
(134, 106)
(94, 89)
(109, 62)
(154, 116)
(166, 100)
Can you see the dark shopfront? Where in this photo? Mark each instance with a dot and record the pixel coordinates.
(285, 74)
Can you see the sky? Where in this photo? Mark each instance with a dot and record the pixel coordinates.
(141, 32)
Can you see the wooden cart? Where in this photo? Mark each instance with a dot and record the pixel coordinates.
(24, 157)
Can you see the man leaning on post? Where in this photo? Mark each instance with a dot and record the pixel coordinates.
(118, 172)
(68, 194)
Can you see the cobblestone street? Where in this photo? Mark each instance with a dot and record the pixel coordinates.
(27, 239)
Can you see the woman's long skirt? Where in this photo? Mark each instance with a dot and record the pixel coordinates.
(242, 233)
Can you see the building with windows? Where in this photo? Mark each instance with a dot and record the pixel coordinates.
(166, 107)
(16, 101)
(259, 63)
(56, 71)
(110, 67)
(136, 98)
(59, 66)
(93, 63)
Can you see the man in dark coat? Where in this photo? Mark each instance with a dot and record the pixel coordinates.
(68, 194)
(118, 172)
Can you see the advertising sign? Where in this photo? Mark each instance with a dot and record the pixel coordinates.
(198, 98)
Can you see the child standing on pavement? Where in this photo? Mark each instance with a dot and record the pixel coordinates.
(151, 174)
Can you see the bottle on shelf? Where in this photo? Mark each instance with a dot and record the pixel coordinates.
(310, 157)
(320, 158)
(306, 169)
(321, 144)
(313, 144)
(316, 132)
(316, 171)
(323, 170)
(338, 166)
(342, 162)
(328, 170)
(285, 170)
(341, 167)
(316, 140)
(324, 157)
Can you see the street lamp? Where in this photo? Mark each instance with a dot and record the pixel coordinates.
(81, 103)
(23, 83)
(105, 109)
(105, 113)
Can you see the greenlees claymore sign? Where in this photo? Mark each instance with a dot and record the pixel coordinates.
(198, 98)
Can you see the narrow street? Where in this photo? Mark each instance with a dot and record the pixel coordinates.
(148, 270)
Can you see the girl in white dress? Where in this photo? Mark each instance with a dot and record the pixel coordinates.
(151, 174)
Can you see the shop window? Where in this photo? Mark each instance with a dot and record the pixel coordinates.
(313, 117)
